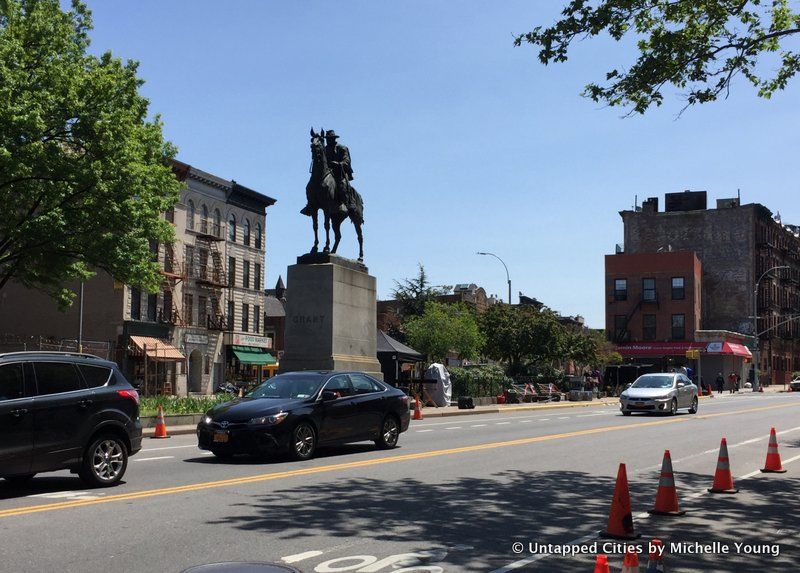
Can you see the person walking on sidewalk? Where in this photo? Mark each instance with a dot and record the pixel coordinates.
(720, 383)
(732, 382)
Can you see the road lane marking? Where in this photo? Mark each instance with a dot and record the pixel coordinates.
(502, 423)
(544, 419)
(525, 421)
(166, 448)
(156, 458)
(258, 478)
(301, 556)
(453, 428)
(421, 431)
(478, 426)
(564, 418)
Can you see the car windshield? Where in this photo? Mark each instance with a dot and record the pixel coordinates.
(654, 381)
(286, 386)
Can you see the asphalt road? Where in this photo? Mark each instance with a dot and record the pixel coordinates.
(455, 496)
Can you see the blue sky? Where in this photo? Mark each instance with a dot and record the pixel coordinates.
(460, 142)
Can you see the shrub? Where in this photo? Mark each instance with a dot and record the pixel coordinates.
(180, 404)
(478, 381)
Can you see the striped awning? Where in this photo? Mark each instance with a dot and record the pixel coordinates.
(155, 348)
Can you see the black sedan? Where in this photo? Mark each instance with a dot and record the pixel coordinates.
(298, 411)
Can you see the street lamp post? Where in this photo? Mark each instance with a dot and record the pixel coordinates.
(756, 342)
(508, 278)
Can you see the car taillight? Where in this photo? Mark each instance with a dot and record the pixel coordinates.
(132, 394)
(404, 398)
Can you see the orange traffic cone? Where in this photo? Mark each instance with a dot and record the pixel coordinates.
(601, 564)
(655, 564)
(667, 496)
(161, 427)
(417, 408)
(773, 464)
(723, 479)
(631, 562)
(620, 519)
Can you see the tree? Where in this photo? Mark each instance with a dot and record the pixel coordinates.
(84, 178)
(444, 328)
(413, 294)
(516, 334)
(694, 45)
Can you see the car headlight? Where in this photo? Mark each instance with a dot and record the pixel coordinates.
(269, 420)
(207, 419)
(662, 398)
(624, 396)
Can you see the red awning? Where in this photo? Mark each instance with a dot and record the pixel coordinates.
(680, 348)
(728, 348)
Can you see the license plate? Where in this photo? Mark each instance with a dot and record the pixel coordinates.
(220, 437)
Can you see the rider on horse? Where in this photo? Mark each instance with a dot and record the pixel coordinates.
(338, 160)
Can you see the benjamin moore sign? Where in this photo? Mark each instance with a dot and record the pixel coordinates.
(251, 340)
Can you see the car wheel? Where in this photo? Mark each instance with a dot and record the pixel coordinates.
(626, 412)
(21, 479)
(389, 434)
(695, 404)
(304, 441)
(104, 462)
(673, 408)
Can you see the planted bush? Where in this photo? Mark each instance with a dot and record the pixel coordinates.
(180, 404)
(479, 381)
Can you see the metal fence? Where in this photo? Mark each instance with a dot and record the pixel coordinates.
(14, 343)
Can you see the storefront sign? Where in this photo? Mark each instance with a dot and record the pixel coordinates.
(196, 338)
(251, 340)
(715, 347)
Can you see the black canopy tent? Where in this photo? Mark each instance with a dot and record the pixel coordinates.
(392, 353)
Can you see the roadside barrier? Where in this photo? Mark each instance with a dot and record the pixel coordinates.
(723, 479)
(667, 495)
(417, 408)
(620, 519)
(161, 427)
(773, 464)
(655, 564)
(631, 562)
(601, 564)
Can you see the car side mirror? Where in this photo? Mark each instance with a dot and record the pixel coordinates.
(681, 384)
(328, 395)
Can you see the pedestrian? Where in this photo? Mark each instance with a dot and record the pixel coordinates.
(732, 382)
(720, 383)
(738, 382)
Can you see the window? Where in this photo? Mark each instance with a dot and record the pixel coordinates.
(648, 290)
(152, 307)
(231, 314)
(190, 260)
(202, 264)
(620, 327)
(166, 305)
(246, 232)
(678, 288)
(136, 304)
(678, 327)
(12, 382)
(257, 319)
(202, 311)
(169, 215)
(204, 219)
(363, 384)
(246, 274)
(95, 376)
(188, 308)
(153, 251)
(649, 327)
(217, 224)
(231, 272)
(232, 228)
(190, 216)
(55, 377)
(258, 235)
(257, 277)
(339, 384)
(621, 289)
(169, 258)
(245, 317)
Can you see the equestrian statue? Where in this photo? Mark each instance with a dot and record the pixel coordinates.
(329, 190)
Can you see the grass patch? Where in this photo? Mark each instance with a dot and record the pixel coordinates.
(180, 404)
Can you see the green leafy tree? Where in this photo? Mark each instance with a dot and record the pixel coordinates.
(516, 334)
(84, 179)
(413, 294)
(698, 46)
(444, 328)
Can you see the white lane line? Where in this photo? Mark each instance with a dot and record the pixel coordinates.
(421, 431)
(537, 557)
(544, 419)
(151, 459)
(301, 556)
(525, 421)
(453, 428)
(478, 426)
(759, 472)
(59, 494)
(564, 418)
(167, 448)
(502, 423)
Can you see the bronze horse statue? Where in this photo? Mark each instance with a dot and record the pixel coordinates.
(322, 194)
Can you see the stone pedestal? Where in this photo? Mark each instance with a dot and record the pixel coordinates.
(330, 316)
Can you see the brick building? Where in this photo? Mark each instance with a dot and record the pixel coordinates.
(735, 245)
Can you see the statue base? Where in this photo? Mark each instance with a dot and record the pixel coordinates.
(331, 321)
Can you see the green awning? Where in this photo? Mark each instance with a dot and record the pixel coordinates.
(253, 355)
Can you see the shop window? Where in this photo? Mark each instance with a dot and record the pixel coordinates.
(621, 289)
(678, 288)
(678, 327)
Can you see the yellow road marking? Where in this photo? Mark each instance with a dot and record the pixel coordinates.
(364, 463)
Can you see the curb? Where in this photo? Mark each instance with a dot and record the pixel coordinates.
(177, 431)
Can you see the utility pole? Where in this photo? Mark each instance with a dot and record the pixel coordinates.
(508, 277)
(756, 335)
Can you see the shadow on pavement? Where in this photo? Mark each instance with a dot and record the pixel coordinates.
(42, 484)
(279, 458)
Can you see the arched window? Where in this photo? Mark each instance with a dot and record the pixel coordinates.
(204, 219)
(258, 235)
(246, 232)
(232, 228)
(190, 216)
(217, 225)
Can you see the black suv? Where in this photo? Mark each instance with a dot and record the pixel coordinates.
(61, 410)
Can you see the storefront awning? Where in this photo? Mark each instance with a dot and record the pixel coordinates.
(253, 355)
(156, 349)
(680, 348)
(727, 348)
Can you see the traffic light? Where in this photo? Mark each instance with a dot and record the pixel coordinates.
(693, 354)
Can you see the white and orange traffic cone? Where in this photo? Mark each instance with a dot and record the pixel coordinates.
(630, 564)
(417, 408)
(161, 427)
(773, 464)
(620, 519)
(667, 495)
(655, 564)
(723, 479)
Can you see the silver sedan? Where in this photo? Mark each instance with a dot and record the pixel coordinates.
(661, 393)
